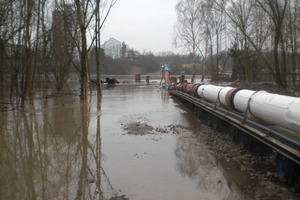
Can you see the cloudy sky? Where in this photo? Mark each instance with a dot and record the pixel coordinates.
(143, 24)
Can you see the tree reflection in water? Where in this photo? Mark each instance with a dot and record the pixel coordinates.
(48, 151)
(195, 161)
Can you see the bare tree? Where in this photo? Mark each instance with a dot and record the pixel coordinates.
(188, 28)
(10, 26)
(89, 15)
(213, 25)
(276, 10)
(243, 15)
(5, 6)
(291, 34)
(101, 13)
(29, 75)
(27, 48)
(246, 28)
(22, 46)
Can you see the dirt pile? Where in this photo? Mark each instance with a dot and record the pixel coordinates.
(119, 198)
(142, 128)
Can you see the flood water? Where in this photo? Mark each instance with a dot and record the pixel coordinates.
(64, 148)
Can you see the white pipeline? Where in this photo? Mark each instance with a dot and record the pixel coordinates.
(277, 109)
(223, 97)
(272, 108)
(211, 93)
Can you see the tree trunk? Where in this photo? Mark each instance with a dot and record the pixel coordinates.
(276, 60)
(283, 63)
(194, 62)
(98, 49)
(28, 84)
(83, 53)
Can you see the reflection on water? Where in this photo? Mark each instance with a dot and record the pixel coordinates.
(165, 95)
(197, 163)
(58, 148)
(48, 152)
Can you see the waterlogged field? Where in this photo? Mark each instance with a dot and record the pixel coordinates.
(134, 143)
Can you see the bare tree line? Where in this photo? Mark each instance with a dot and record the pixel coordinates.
(42, 41)
(261, 36)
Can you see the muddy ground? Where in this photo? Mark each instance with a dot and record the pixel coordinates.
(260, 180)
(254, 175)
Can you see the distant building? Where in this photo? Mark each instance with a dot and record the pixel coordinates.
(63, 31)
(112, 48)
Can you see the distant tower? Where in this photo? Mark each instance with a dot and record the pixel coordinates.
(63, 33)
(112, 48)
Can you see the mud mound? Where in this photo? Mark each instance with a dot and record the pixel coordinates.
(141, 128)
(138, 128)
(118, 198)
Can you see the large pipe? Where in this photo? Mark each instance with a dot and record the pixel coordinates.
(200, 90)
(191, 88)
(211, 93)
(277, 109)
(240, 99)
(269, 108)
(214, 94)
(178, 86)
(223, 96)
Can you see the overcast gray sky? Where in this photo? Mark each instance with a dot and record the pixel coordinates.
(142, 24)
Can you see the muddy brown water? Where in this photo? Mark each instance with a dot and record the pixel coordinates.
(137, 145)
